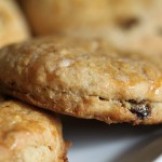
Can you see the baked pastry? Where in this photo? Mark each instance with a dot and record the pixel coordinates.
(128, 25)
(56, 16)
(29, 135)
(13, 27)
(136, 26)
(84, 79)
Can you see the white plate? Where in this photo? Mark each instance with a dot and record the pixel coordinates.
(94, 141)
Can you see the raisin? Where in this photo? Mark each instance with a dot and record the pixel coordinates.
(102, 99)
(127, 23)
(141, 109)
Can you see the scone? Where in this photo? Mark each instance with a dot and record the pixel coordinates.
(130, 25)
(55, 16)
(13, 27)
(83, 78)
(29, 135)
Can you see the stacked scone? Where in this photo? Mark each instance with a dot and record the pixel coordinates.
(13, 27)
(27, 134)
(129, 25)
(102, 62)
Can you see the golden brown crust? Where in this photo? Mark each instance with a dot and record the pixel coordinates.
(13, 27)
(69, 14)
(129, 25)
(75, 77)
(29, 135)
(111, 111)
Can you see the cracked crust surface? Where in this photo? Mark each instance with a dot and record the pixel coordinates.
(13, 27)
(128, 24)
(29, 135)
(83, 78)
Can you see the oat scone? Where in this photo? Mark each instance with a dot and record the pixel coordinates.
(84, 79)
(13, 27)
(133, 25)
(29, 135)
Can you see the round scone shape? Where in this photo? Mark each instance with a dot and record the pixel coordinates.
(29, 135)
(55, 16)
(13, 27)
(128, 25)
(83, 78)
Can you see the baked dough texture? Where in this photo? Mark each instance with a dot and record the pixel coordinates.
(29, 135)
(83, 78)
(131, 25)
(13, 27)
